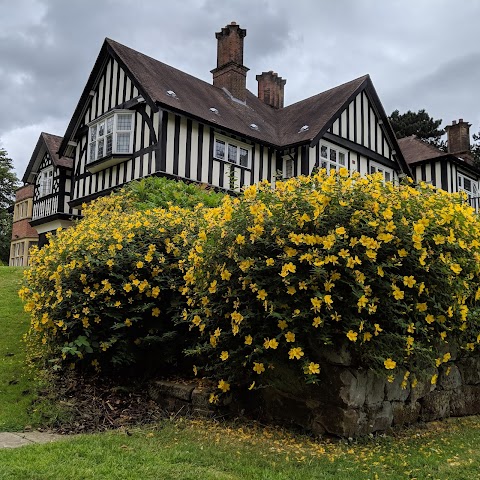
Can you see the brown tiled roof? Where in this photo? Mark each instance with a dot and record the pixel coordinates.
(52, 144)
(195, 97)
(415, 150)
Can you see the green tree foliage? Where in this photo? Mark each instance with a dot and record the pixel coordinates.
(475, 148)
(420, 124)
(8, 185)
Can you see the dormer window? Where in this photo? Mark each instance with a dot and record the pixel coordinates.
(111, 135)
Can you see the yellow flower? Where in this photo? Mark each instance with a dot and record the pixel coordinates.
(313, 368)
(252, 385)
(270, 343)
(240, 239)
(409, 281)
(367, 336)
(328, 300)
(340, 231)
(377, 329)
(456, 268)
(262, 294)
(223, 386)
(352, 336)
(139, 264)
(195, 370)
(380, 272)
(316, 302)
(248, 340)
(389, 364)
(317, 321)
(434, 379)
(295, 352)
(128, 322)
(421, 307)
(224, 355)
(270, 262)
(291, 290)
(225, 275)
(258, 367)
(290, 337)
(155, 312)
(429, 318)
(213, 398)
(282, 324)
(127, 287)
(397, 293)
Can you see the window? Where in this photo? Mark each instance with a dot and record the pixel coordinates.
(21, 210)
(385, 171)
(232, 152)
(45, 182)
(467, 185)
(111, 135)
(288, 169)
(332, 158)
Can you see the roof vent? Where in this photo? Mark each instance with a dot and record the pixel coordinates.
(254, 126)
(171, 93)
(304, 129)
(213, 110)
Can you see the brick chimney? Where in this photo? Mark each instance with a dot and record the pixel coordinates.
(270, 89)
(230, 72)
(458, 136)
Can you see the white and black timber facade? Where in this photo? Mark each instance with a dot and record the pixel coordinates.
(139, 117)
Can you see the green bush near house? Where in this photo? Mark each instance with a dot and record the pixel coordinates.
(391, 273)
(101, 293)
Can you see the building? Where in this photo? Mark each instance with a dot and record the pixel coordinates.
(138, 117)
(453, 170)
(24, 235)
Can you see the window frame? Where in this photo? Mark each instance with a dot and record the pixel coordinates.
(379, 168)
(115, 133)
(45, 182)
(327, 162)
(288, 164)
(229, 144)
(461, 188)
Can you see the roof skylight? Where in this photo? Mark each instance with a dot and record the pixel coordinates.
(254, 126)
(304, 129)
(171, 93)
(213, 110)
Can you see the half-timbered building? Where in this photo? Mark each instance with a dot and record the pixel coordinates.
(51, 176)
(138, 117)
(453, 170)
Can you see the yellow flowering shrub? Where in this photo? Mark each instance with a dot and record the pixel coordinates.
(390, 272)
(100, 293)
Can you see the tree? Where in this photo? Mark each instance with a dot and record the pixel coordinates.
(475, 148)
(8, 185)
(420, 124)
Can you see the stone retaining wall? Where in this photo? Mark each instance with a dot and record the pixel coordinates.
(347, 401)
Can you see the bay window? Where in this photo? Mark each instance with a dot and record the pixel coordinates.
(111, 135)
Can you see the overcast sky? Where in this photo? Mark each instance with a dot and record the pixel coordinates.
(419, 53)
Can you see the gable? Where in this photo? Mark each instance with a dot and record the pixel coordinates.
(360, 123)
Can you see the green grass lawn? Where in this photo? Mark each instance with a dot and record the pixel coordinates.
(16, 391)
(201, 449)
(188, 449)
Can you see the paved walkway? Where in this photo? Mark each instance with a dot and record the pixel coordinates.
(19, 439)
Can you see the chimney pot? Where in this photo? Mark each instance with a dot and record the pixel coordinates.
(454, 122)
(460, 121)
